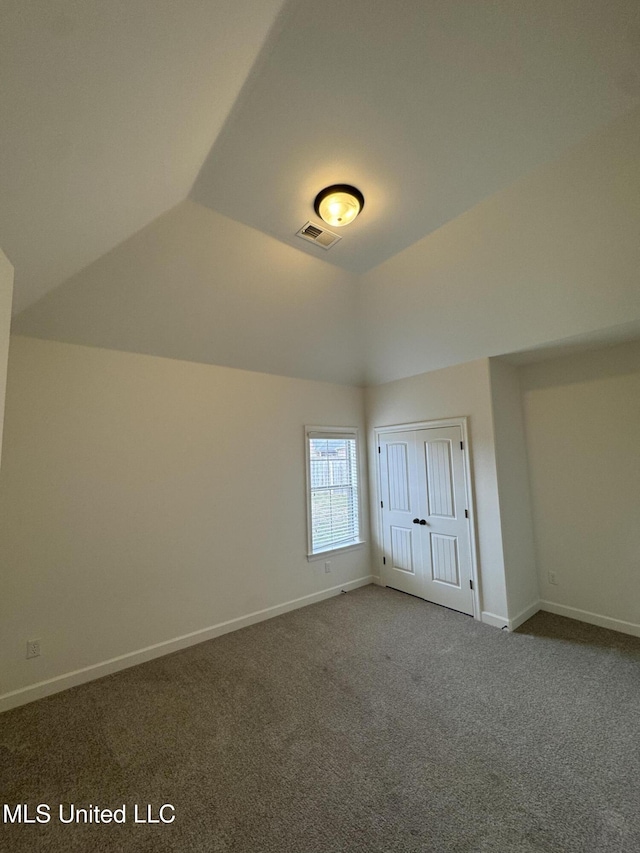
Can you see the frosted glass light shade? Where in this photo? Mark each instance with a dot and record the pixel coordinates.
(339, 205)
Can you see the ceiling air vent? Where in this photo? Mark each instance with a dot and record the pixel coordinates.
(318, 235)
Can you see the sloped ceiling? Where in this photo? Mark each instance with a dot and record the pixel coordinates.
(108, 109)
(117, 113)
(198, 286)
(554, 256)
(427, 107)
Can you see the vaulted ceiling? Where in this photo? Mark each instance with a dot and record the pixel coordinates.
(427, 107)
(133, 131)
(109, 109)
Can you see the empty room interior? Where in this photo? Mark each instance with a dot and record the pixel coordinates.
(320, 470)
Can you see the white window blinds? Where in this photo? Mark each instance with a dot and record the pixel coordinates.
(333, 490)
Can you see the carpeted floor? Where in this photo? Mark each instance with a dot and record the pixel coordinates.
(369, 722)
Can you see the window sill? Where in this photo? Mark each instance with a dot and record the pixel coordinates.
(343, 549)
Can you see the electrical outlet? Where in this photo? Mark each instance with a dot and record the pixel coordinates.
(327, 566)
(33, 649)
(552, 578)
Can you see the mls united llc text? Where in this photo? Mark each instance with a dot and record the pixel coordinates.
(70, 813)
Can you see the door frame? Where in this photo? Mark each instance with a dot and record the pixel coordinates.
(463, 423)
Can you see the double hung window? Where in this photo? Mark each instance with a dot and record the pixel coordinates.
(333, 504)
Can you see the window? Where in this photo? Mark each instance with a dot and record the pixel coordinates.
(333, 506)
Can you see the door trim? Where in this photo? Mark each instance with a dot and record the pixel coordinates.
(463, 423)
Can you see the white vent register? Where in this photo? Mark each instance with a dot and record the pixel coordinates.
(318, 235)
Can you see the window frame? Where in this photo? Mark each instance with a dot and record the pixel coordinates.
(332, 432)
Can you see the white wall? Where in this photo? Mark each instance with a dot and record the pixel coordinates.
(142, 499)
(555, 254)
(582, 419)
(452, 392)
(6, 294)
(513, 491)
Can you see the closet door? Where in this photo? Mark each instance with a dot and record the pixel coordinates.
(400, 517)
(445, 540)
(426, 537)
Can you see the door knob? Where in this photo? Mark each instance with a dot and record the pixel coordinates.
(416, 521)
(422, 521)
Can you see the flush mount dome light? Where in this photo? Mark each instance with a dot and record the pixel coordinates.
(338, 205)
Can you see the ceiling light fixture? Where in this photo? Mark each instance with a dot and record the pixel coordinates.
(339, 204)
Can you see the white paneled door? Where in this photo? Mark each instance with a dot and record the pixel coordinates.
(426, 535)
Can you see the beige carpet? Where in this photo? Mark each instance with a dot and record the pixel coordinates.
(369, 722)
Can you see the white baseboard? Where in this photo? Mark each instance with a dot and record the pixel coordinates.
(525, 614)
(511, 624)
(492, 619)
(592, 618)
(32, 692)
